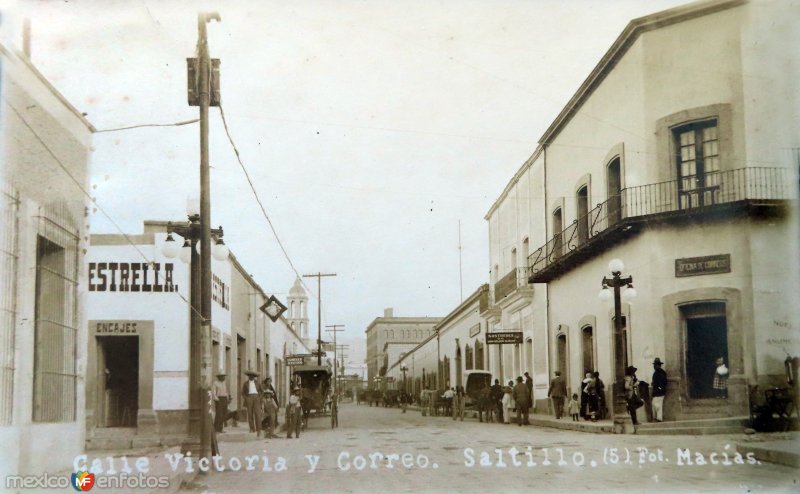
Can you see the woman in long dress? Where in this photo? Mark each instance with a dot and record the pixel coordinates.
(508, 402)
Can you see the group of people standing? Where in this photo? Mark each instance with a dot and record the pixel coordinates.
(261, 405)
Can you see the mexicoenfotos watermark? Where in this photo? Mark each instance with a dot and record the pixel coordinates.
(85, 481)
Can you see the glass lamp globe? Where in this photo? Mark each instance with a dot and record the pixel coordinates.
(186, 252)
(220, 250)
(616, 266)
(629, 292)
(192, 206)
(170, 248)
(605, 294)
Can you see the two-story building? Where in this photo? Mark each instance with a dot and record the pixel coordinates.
(678, 155)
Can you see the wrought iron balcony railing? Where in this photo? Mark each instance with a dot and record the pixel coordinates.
(676, 197)
(516, 278)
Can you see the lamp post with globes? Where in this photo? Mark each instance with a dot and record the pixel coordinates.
(618, 342)
(199, 430)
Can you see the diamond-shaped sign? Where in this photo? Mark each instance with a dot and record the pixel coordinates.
(273, 308)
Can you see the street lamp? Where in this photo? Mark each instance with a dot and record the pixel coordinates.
(618, 343)
(200, 344)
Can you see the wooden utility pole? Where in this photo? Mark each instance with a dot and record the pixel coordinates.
(335, 329)
(319, 276)
(203, 387)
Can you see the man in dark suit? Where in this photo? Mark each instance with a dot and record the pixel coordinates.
(529, 383)
(557, 392)
(522, 398)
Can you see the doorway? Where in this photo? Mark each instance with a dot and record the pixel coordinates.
(119, 380)
(614, 192)
(561, 348)
(706, 341)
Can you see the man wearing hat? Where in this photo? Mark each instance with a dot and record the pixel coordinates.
(659, 384)
(220, 393)
(251, 390)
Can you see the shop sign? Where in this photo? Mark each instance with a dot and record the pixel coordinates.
(504, 337)
(697, 266)
(119, 327)
(295, 360)
(131, 277)
(474, 330)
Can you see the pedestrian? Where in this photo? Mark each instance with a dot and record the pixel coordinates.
(591, 393)
(251, 390)
(270, 406)
(585, 396)
(458, 403)
(557, 393)
(522, 400)
(293, 414)
(220, 394)
(721, 379)
(508, 402)
(659, 384)
(529, 383)
(448, 396)
(574, 407)
(496, 398)
(403, 400)
(632, 393)
(600, 388)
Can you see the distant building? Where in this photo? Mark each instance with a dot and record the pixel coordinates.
(395, 330)
(44, 158)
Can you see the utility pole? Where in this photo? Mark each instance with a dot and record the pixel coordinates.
(335, 348)
(200, 401)
(319, 276)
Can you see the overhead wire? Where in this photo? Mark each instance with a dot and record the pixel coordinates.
(260, 203)
(175, 124)
(92, 199)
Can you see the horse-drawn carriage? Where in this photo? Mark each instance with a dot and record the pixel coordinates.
(315, 389)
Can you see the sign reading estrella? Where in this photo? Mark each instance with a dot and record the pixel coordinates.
(146, 277)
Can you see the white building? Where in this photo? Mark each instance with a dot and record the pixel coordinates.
(139, 373)
(678, 155)
(44, 153)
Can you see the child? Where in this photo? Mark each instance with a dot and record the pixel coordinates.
(574, 407)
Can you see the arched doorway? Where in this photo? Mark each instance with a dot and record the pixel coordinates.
(458, 366)
(561, 349)
(587, 344)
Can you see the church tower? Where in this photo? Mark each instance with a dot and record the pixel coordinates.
(298, 309)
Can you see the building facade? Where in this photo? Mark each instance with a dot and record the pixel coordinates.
(679, 156)
(45, 151)
(138, 377)
(391, 329)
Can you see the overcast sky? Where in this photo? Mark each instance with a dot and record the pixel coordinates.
(369, 128)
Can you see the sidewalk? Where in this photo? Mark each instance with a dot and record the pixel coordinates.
(782, 448)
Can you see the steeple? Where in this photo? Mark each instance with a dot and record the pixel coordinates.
(298, 309)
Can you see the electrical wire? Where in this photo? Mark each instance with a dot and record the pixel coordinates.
(261, 204)
(176, 124)
(92, 199)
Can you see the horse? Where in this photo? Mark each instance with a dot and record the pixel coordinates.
(484, 404)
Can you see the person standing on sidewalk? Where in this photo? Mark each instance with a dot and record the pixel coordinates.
(251, 390)
(293, 414)
(271, 412)
(508, 402)
(220, 394)
(529, 383)
(659, 384)
(496, 398)
(522, 399)
(557, 392)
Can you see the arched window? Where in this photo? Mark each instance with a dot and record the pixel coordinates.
(558, 226)
(479, 354)
(587, 342)
(469, 363)
(583, 214)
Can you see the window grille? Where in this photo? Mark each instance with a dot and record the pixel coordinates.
(55, 347)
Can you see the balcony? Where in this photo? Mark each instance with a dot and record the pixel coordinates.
(624, 215)
(510, 283)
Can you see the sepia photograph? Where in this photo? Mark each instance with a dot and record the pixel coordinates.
(370, 246)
